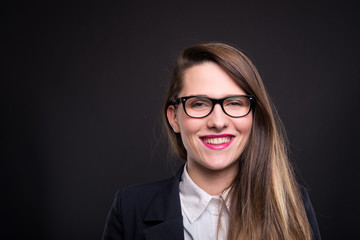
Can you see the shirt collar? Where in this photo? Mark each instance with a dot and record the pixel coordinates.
(194, 200)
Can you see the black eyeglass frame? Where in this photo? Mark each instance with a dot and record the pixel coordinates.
(217, 101)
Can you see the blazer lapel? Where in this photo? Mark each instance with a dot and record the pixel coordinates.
(169, 229)
(164, 213)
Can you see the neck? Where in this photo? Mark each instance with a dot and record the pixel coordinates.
(214, 182)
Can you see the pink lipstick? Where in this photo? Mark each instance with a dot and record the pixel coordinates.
(217, 142)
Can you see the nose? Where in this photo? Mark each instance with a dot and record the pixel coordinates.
(217, 118)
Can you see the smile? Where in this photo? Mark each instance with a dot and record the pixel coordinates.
(217, 142)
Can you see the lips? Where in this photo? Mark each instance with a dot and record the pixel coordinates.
(217, 142)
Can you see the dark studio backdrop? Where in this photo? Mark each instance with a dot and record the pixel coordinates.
(82, 87)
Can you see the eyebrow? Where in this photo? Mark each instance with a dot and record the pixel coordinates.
(205, 95)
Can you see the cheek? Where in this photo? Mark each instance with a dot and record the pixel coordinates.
(188, 130)
(244, 125)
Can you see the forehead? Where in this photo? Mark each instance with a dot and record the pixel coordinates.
(208, 79)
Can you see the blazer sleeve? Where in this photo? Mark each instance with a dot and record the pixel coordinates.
(114, 224)
(311, 215)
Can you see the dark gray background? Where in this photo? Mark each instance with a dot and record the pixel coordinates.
(83, 84)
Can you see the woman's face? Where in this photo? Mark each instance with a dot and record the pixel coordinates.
(214, 142)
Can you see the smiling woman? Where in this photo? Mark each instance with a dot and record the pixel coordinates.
(214, 142)
(237, 182)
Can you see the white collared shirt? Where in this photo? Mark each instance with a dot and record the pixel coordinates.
(201, 211)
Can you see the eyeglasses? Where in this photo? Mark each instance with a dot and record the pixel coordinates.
(200, 107)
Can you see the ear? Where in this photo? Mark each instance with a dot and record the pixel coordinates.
(172, 118)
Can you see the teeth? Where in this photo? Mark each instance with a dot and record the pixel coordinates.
(217, 141)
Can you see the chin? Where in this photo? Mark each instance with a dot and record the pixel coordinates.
(218, 165)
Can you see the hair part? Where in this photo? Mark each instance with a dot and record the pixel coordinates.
(265, 199)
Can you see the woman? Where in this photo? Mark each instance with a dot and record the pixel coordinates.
(237, 182)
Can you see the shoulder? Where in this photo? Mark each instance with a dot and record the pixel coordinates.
(147, 187)
(142, 192)
(141, 195)
(150, 189)
(133, 202)
(307, 202)
(304, 195)
(138, 207)
(310, 213)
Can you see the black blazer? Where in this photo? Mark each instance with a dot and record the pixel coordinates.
(153, 212)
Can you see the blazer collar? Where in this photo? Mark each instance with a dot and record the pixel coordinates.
(164, 212)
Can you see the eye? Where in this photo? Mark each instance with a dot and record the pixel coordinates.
(198, 103)
(236, 102)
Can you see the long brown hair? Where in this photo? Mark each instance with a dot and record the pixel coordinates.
(265, 198)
